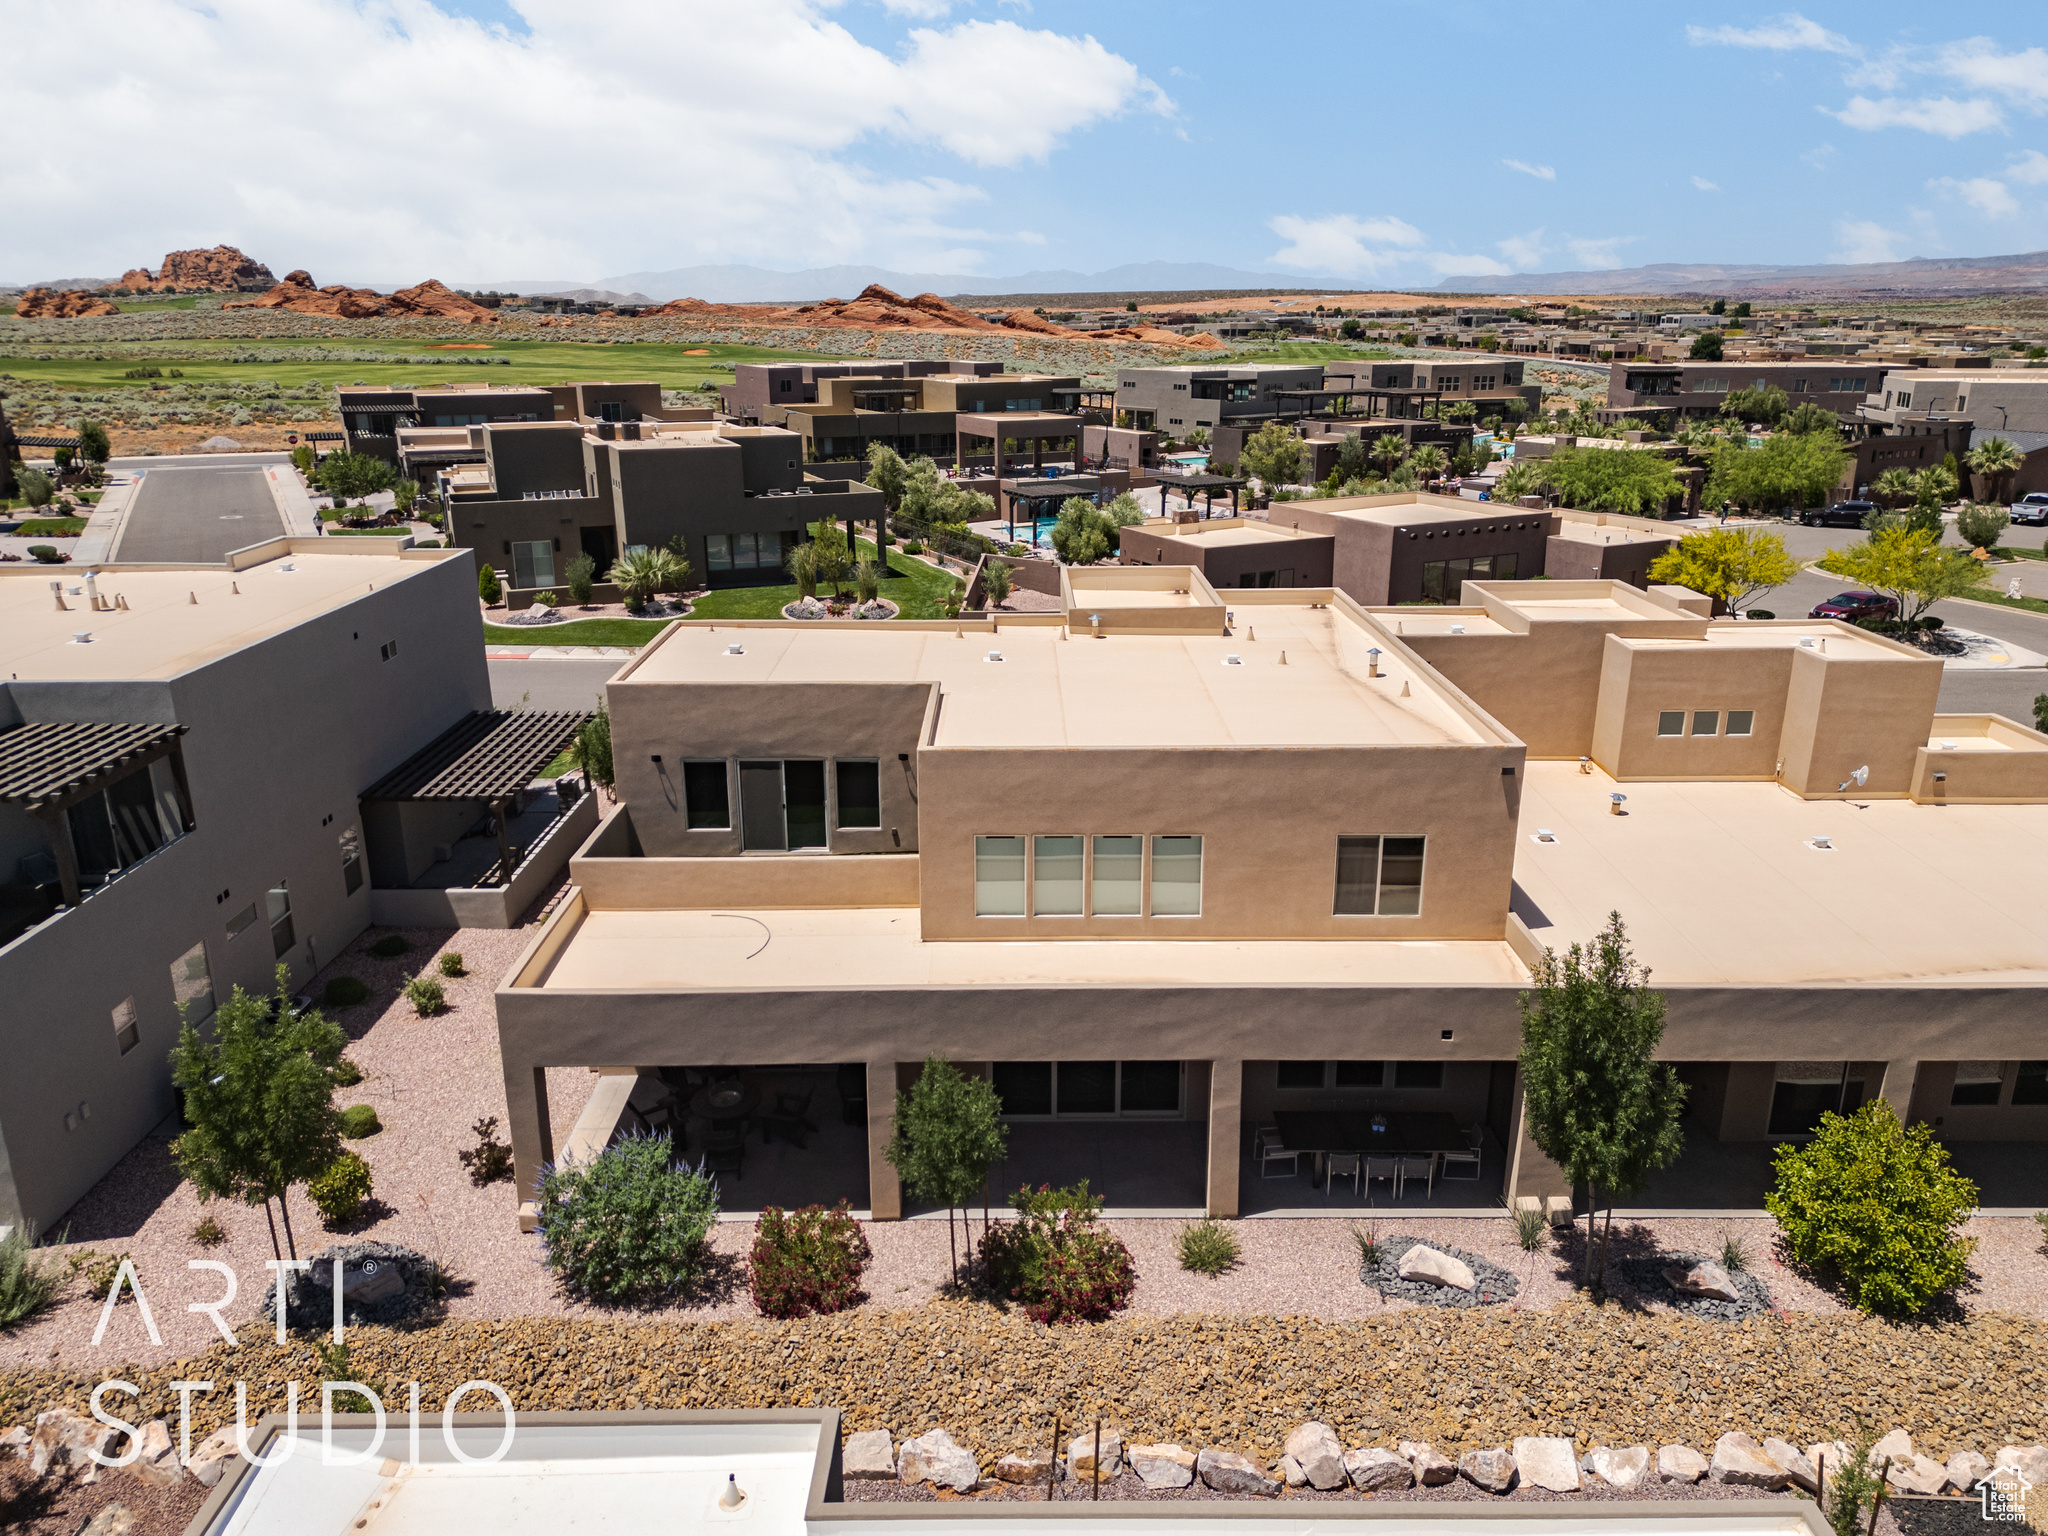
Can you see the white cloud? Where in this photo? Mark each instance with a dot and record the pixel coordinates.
(1524, 252)
(1785, 34)
(922, 10)
(1540, 172)
(601, 141)
(2031, 169)
(1930, 114)
(1451, 264)
(1342, 244)
(1028, 237)
(1598, 254)
(1820, 157)
(1705, 185)
(2021, 76)
(1864, 241)
(1988, 197)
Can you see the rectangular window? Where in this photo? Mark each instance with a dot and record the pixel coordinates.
(242, 921)
(1418, 1074)
(1361, 1074)
(278, 905)
(1025, 1087)
(1056, 876)
(192, 984)
(351, 861)
(1741, 722)
(999, 877)
(1358, 876)
(1117, 889)
(1300, 1074)
(533, 564)
(1400, 876)
(1706, 722)
(2031, 1085)
(718, 551)
(803, 802)
(1087, 1088)
(1671, 722)
(860, 794)
(1505, 567)
(127, 1033)
(1176, 877)
(1148, 1087)
(707, 795)
(1977, 1082)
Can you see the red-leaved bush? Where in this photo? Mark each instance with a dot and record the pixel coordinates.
(807, 1261)
(1056, 1259)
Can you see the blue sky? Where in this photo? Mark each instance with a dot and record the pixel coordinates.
(1363, 144)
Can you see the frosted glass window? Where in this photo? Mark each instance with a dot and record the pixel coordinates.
(1119, 885)
(1056, 876)
(999, 877)
(1176, 876)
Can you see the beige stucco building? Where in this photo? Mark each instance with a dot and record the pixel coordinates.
(1179, 861)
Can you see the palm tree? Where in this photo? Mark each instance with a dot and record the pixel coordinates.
(1894, 488)
(1429, 461)
(1387, 451)
(1522, 479)
(1996, 459)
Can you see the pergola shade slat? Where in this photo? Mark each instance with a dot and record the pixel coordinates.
(47, 762)
(488, 755)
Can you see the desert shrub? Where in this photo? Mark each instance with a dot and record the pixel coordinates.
(391, 944)
(1365, 1237)
(335, 1366)
(359, 1121)
(347, 1074)
(1734, 1254)
(490, 1159)
(45, 554)
(807, 1261)
(208, 1233)
(1532, 1229)
(580, 576)
(1850, 1485)
(451, 964)
(1980, 525)
(487, 587)
(1057, 1258)
(424, 993)
(545, 598)
(912, 547)
(1207, 1248)
(340, 1192)
(1875, 1204)
(36, 488)
(28, 1284)
(344, 992)
(626, 1224)
(101, 1270)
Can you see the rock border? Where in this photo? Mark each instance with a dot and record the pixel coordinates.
(797, 611)
(309, 1301)
(1495, 1284)
(1646, 1278)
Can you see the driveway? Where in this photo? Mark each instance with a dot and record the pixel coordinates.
(194, 511)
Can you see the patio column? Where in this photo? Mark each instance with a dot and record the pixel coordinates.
(1897, 1089)
(533, 1139)
(1226, 1132)
(885, 1190)
(1529, 1171)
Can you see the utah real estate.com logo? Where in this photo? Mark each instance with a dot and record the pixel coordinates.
(2004, 1492)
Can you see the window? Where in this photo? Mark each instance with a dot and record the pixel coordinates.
(1741, 722)
(1905, 397)
(707, 803)
(1358, 876)
(127, 1033)
(351, 862)
(860, 794)
(1086, 1088)
(1418, 1074)
(999, 877)
(1056, 876)
(1300, 1074)
(1706, 722)
(278, 904)
(1148, 1087)
(1025, 1087)
(1117, 888)
(1671, 722)
(611, 410)
(533, 564)
(1095, 1089)
(1400, 876)
(127, 821)
(1443, 581)
(192, 984)
(1361, 1074)
(242, 921)
(803, 802)
(387, 650)
(1176, 877)
(1798, 387)
(1977, 1082)
(743, 551)
(2031, 1084)
(1379, 876)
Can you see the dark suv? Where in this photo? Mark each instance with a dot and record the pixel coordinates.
(1851, 606)
(1843, 514)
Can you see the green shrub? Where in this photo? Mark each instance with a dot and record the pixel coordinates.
(1734, 1254)
(101, 1271)
(1875, 1204)
(424, 993)
(1207, 1248)
(807, 1261)
(208, 1233)
(1057, 1259)
(626, 1224)
(490, 1159)
(36, 487)
(391, 944)
(546, 599)
(344, 992)
(912, 547)
(45, 554)
(1367, 1239)
(359, 1121)
(347, 1074)
(1532, 1229)
(1850, 1485)
(340, 1192)
(28, 1285)
(580, 576)
(487, 587)
(451, 964)
(335, 1366)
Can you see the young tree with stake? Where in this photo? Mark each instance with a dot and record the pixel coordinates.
(948, 1133)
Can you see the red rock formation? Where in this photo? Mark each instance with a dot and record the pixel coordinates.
(220, 270)
(61, 304)
(431, 299)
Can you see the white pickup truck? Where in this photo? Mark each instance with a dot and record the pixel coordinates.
(2031, 508)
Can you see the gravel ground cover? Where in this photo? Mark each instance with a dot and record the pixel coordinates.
(1645, 1277)
(1495, 1284)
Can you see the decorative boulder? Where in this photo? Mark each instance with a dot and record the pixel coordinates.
(933, 1458)
(1320, 1455)
(1432, 1468)
(1547, 1463)
(16, 1440)
(1895, 1447)
(2031, 1460)
(1740, 1462)
(1228, 1472)
(1290, 1472)
(1680, 1464)
(1373, 1470)
(1917, 1474)
(1162, 1466)
(1964, 1471)
(1702, 1279)
(869, 1457)
(1797, 1465)
(64, 1439)
(1492, 1470)
(211, 1457)
(1618, 1467)
(380, 1283)
(158, 1463)
(115, 1520)
(1081, 1455)
(1033, 1466)
(1429, 1267)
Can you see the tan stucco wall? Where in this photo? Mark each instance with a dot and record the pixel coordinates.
(1638, 683)
(1846, 712)
(793, 881)
(2016, 775)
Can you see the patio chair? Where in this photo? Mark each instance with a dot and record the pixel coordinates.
(726, 1154)
(1388, 1168)
(1271, 1151)
(1423, 1168)
(1342, 1165)
(789, 1118)
(1466, 1164)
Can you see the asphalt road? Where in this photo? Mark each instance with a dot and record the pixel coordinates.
(197, 512)
(560, 683)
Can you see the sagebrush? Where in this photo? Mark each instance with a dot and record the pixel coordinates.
(626, 1225)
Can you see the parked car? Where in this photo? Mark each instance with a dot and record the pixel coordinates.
(1843, 514)
(1851, 606)
(2030, 508)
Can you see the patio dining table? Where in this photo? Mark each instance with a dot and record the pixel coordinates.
(1408, 1133)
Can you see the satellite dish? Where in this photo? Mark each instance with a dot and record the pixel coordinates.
(1859, 778)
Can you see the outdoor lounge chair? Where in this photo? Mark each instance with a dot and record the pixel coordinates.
(1342, 1165)
(1272, 1150)
(1464, 1165)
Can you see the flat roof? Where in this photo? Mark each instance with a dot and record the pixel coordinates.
(1222, 532)
(1389, 512)
(1721, 885)
(163, 632)
(1820, 636)
(1123, 690)
(1597, 533)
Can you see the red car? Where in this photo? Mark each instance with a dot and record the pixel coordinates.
(1851, 606)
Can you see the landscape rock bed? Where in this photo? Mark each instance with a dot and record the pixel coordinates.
(1646, 1278)
(1495, 1284)
(309, 1297)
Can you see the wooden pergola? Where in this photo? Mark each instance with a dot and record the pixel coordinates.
(49, 766)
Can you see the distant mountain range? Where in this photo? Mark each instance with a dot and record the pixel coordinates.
(757, 285)
(1923, 275)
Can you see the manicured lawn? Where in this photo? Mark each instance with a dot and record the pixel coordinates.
(1993, 595)
(2018, 552)
(1313, 352)
(634, 632)
(382, 533)
(51, 528)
